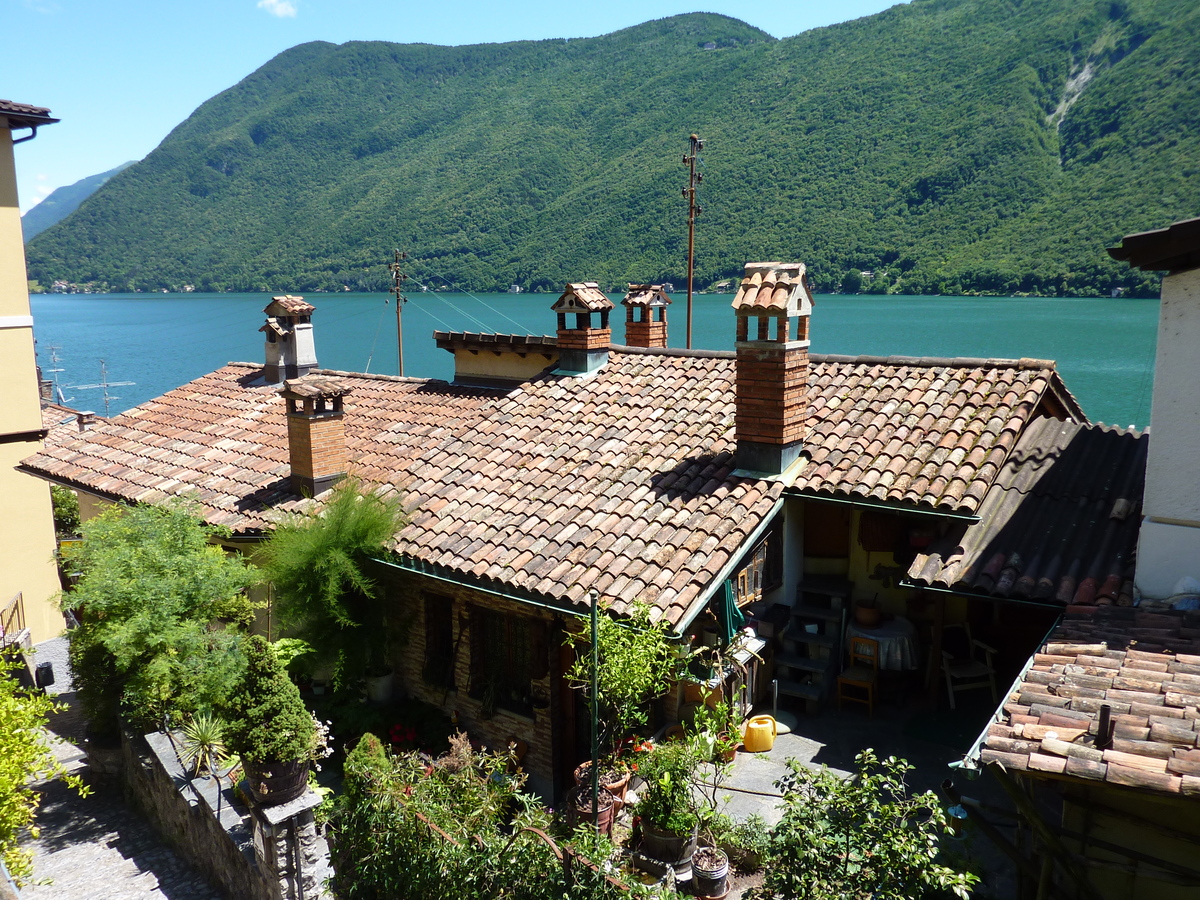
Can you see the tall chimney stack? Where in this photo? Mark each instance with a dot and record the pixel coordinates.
(646, 315)
(290, 349)
(316, 432)
(772, 365)
(582, 349)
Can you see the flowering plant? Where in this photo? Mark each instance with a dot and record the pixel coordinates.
(403, 737)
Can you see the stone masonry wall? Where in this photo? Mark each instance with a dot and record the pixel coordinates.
(195, 817)
(406, 611)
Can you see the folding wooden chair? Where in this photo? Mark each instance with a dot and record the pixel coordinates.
(862, 673)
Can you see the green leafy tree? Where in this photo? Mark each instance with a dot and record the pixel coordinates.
(66, 510)
(25, 758)
(637, 662)
(860, 837)
(852, 282)
(318, 565)
(152, 591)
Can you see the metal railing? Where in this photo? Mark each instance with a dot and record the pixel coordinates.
(12, 621)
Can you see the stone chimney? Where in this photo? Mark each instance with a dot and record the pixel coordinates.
(773, 305)
(85, 419)
(316, 432)
(290, 350)
(582, 349)
(646, 315)
(1169, 540)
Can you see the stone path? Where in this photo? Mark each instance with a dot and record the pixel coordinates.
(96, 847)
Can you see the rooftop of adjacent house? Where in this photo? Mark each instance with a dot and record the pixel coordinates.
(1174, 248)
(23, 115)
(1143, 664)
(1059, 524)
(623, 482)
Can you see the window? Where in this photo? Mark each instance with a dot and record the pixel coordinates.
(762, 572)
(502, 661)
(439, 641)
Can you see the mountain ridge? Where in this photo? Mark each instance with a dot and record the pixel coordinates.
(920, 142)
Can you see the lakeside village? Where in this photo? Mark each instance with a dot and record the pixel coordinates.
(617, 619)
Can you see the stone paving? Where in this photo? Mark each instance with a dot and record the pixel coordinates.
(96, 847)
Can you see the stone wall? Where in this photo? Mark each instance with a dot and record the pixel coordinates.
(200, 821)
(406, 614)
(270, 853)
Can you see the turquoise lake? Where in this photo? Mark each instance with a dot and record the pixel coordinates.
(1104, 348)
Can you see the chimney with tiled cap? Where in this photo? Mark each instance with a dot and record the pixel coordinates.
(316, 432)
(290, 350)
(646, 315)
(582, 349)
(773, 305)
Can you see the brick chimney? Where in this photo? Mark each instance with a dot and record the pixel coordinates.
(316, 432)
(773, 305)
(646, 315)
(290, 350)
(582, 349)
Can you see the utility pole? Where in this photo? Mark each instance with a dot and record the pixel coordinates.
(398, 279)
(694, 179)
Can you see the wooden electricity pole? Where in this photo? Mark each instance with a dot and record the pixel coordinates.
(694, 179)
(398, 279)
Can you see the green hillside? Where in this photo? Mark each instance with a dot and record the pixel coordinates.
(957, 145)
(64, 201)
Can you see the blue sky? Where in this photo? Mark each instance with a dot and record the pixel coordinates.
(122, 73)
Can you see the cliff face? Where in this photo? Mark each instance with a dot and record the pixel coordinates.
(943, 145)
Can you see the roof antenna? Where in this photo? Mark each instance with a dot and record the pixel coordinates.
(694, 179)
(398, 279)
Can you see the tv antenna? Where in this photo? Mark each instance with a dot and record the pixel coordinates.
(103, 385)
(398, 279)
(695, 145)
(54, 361)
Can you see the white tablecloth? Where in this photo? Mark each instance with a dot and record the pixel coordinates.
(897, 642)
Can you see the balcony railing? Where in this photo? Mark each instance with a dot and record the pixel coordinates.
(12, 621)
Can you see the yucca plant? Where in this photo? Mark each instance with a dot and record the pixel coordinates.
(203, 747)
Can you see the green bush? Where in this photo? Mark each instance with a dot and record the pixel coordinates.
(66, 510)
(152, 587)
(862, 836)
(318, 565)
(267, 718)
(667, 801)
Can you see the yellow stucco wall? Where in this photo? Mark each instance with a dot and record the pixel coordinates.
(27, 543)
(489, 364)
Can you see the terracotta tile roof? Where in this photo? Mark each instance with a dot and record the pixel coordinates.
(775, 288)
(582, 296)
(317, 386)
(1145, 665)
(646, 295)
(23, 115)
(55, 415)
(517, 343)
(1060, 523)
(924, 432)
(622, 482)
(294, 306)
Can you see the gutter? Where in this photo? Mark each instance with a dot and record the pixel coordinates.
(884, 507)
(411, 566)
(703, 600)
(911, 585)
(970, 760)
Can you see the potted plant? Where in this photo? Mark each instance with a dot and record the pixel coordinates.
(667, 806)
(269, 728)
(202, 746)
(710, 872)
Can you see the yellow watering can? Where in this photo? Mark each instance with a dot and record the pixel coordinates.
(760, 734)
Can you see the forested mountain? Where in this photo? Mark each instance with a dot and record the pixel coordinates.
(64, 201)
(955, 145)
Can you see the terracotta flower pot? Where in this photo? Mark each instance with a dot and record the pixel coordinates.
(581, 808)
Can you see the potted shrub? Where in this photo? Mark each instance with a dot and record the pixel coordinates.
(710, 871)
(270, 729)
(667, 806)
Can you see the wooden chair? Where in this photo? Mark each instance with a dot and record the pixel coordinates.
(964, 666)
(862, 673)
